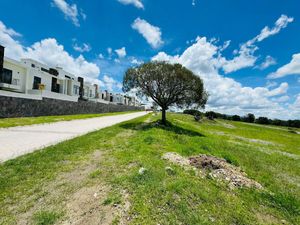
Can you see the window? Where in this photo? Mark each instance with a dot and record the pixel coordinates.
(76, 90)
(6, 76)
(32, 65)
(44, 70)
(36, 82)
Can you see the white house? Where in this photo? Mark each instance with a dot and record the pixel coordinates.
(31, 79)
(14, 75)
(50, 82)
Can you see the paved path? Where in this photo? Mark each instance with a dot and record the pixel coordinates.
(16, 141)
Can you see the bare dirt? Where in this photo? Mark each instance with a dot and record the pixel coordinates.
(79, 197)
(217, 168)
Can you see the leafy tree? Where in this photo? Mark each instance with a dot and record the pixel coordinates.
(192, 112)
(236, 118)
(167, 85)
(211, 115)
(262, 120)
(249, 118)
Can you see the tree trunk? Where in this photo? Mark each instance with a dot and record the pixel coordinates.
(163, 117)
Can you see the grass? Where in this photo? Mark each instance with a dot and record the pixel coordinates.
(46, 217)
(23, 121)
(158, 196)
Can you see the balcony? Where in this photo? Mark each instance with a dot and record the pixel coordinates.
(13, 86)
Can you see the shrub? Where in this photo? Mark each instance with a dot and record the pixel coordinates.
(192, 112)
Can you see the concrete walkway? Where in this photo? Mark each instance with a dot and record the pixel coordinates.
(16, 141)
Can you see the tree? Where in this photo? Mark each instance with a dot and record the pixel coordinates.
(262, 120)
(167, 85)
(249, 118)
(236, 118)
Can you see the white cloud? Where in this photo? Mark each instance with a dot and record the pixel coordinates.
(136, 61)
(50, 52)
(83, 48)
(226, 94)
(101, 56)
(245, 55)
(281, 23)
(281, 99)
(136, 3)
(269, 61)
(110, 84)
(244, 59)
(297, 102)
(109, 51)
(70, 11)
(151, 33)
(292, 68)
(271, 84)
(8, 36)
(282, 89)
(121, 52)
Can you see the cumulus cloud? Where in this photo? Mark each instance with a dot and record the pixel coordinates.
(8, 39)
(121, 52)
(245, 55)
(226, 94)
(136, 3)
(110, 84)
(49, 52)
(82, 48)
(136, 61)
(151, 33)
(70, 11)
(281, 99)
(292, 68)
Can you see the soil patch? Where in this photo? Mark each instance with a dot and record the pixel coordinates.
(85, 207)
(217, 168)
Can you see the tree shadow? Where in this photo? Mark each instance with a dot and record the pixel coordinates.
(142, 126)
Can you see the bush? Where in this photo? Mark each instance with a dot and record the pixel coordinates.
(192, 112)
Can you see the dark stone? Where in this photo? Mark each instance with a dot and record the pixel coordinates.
(20, 107)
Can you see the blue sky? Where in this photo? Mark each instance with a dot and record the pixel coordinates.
(247, 52)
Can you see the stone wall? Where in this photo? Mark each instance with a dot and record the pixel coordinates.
(21, 107)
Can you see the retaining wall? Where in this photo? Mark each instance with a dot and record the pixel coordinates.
(20, 107)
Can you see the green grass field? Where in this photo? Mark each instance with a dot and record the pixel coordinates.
(23, 121)
(96, 177)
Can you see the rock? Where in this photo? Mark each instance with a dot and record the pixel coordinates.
(142, 170)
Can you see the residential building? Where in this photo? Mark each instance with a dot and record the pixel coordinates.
(31, 79)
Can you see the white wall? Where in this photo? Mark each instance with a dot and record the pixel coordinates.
(18, 74)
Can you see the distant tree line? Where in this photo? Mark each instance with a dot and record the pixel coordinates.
(249, 118)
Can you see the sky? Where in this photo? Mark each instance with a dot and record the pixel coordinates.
(246, 52)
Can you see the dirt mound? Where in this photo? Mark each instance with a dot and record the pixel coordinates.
(217, 168)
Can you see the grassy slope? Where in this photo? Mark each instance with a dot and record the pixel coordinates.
(157, 197)
(23, 121)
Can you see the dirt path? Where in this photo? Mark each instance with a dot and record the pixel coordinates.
(17, 141)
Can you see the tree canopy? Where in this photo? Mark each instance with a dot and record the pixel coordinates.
(167, 85)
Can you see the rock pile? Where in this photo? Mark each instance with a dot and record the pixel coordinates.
(217, 168)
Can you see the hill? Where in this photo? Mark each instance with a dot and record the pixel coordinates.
(120, 175)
